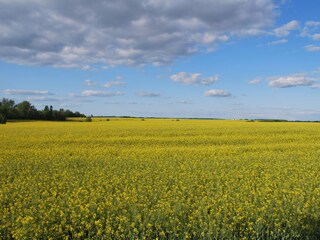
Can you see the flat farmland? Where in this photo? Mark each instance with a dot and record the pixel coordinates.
(159, 179)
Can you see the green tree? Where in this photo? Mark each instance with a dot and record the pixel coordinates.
(6, 109)
(3, 114)
(46, 113)
(26, 110)
(3, 119)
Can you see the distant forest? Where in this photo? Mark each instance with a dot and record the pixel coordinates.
(25, 110)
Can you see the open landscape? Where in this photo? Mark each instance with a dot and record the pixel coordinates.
(160, 120)
(159, 179)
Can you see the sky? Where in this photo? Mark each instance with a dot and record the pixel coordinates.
(232, 59)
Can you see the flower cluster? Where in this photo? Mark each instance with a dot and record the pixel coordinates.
(159, 179)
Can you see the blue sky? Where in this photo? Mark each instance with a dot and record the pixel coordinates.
(196, 58)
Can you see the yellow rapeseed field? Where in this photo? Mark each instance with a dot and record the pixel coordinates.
(159, 179)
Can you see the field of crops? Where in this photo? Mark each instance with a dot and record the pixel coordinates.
(159, 179)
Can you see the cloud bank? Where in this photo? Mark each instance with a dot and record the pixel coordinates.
(124, 32)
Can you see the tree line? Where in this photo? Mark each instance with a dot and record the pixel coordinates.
(25, 110)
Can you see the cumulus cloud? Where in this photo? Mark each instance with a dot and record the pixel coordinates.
(285, 29)
(193, 78)
(255, 81)
(217, 93)
(312, 48)
(294, 80)
(277, 42)
(26, 92)
(125, 32)
(310, 29)
(90, 93)
(147, 94)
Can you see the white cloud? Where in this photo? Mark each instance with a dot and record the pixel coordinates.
(255, 81)
(89, 93)
(90, 83)
(26, 92)
(114, 83)
(147, 94)
(75, 95)
(210, 38)
(217, 93)
(310, 28)
(316, 37)
(277, 42)
(312, 24)
(193, 78)
(117, 82)
(294, 80)
(285, 29)
(45, 99)
(315, 86)
(123, 32)
(312, 48)
(87, 67)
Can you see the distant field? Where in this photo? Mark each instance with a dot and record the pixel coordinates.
(165, 179)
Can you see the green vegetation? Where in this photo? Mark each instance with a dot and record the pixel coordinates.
(25, 110)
